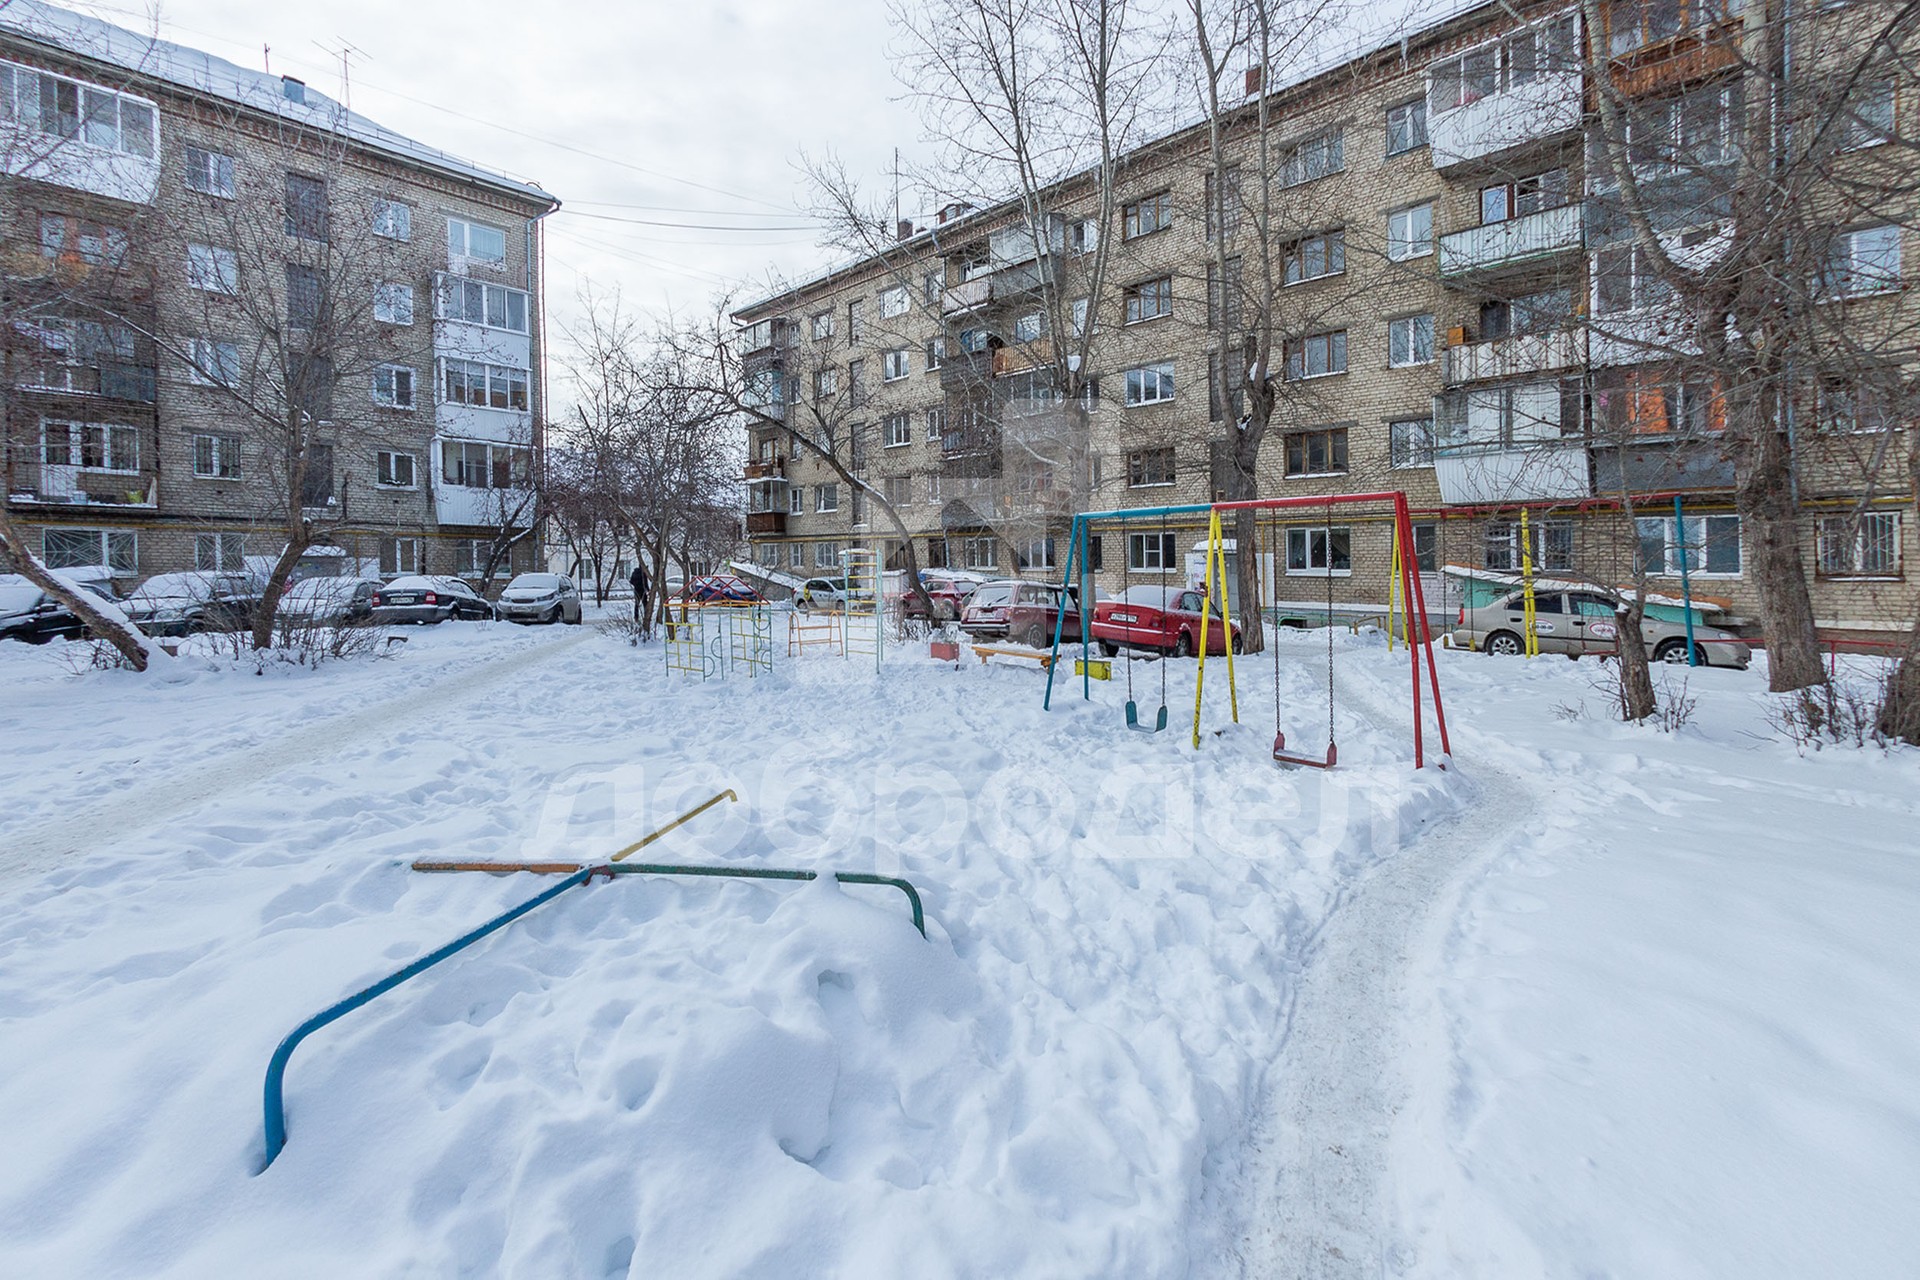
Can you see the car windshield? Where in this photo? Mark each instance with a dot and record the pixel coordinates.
(535, 582)
(174, 586)
(988, 597)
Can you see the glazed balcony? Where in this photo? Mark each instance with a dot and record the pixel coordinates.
(766, 523)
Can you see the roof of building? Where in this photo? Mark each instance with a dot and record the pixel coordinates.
(202, 73)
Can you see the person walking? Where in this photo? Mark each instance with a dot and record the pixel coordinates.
(642, 599)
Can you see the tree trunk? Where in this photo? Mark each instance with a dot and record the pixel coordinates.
(114, 627)
(1637, 701)
(1243, 485)
(1899, 717)
(1768, 520)
(269, 606)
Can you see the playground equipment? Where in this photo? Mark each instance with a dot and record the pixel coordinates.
(274, 1117)
(866, 631)
(715, 639)
(1126, 565)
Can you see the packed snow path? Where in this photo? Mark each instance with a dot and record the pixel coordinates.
(180, 790)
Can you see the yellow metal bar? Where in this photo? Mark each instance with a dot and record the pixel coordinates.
(1206, 616)
(1531, 642)
(690, 814)
(1393, 595)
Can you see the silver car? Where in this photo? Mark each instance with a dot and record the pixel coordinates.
(1586, 621)
(540, 597)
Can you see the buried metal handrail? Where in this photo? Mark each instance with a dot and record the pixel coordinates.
(275, 1091)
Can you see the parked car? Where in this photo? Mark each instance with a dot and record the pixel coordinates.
(1586, 621)
(712, 587)
(822, 593)
(540, 597)
(330, 600)
(176, 604)
(418, 598)
(30, 614)
(1024, 611)
(949, 593)
(1165, 619)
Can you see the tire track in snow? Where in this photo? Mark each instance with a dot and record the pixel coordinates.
(140, 809)
(1311, 1195)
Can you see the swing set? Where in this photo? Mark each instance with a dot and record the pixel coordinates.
(1284, 548)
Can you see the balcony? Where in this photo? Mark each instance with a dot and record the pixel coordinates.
(970, 296)
(1546, 107)
(131, 382)
(1024, 358)
(1653, 464)
(964, 369)
(81, 486)
(765, 523)
(770, 469)
(1516, 356)
(1532, 473)
(1517, 242)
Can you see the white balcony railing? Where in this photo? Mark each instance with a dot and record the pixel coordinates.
(1517, 240)
(1542, 108)
(1517, 356)
(966, 297)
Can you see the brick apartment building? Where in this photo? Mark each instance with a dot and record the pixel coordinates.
(167, 218)
(1459, 323)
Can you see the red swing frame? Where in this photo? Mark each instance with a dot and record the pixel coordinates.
(1411, 592)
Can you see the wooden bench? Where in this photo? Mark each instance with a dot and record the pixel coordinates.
(983, 652)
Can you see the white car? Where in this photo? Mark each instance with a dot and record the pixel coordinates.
(329, 600)
(540, 597)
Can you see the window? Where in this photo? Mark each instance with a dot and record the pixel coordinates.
(1150, 384)
(216, 457)
(1712, 546)
(1866, 260)
(115, 549)
(974, 341)
(932, 284)
(1406, 126)
(1224, 305)
(91, 446)
(66, 108)
(1223, 206)
(78, 240)
(895, 365)
(209, 172)
(796, 555)
(1426, 548)
(933, 486)
(1541, 312)
(1316, 157)
(1323, 552)
(399, 555)
(936, 352)
(856, 321)
(1410, 232)
(821, 326)
(1317, 355)
(1316, 256)
(1147, 467)
(212, 269)
(826, 383)
(473, 465)
(1409, 341)
(1226, 386)
(826, 555)
(1320, 452)
(220, 552)
(395, 470)
(393, 386)
(476, 302)
(392, 219)
(979, 553)
(303, 296)
(856, 383)
(826, 497)
(797, 500)
(476, 241)
(393, 303)
(214, 363)
(898, 490)
(1518, 59)
(1147, 552)
(896, 429)
(1870, 115)
(1146, 215)
(936, 424)
(1633, 24)
(1684, 132)
(483, 386)
(1550, 549)
(1410, 442)
(1508, 416)
(306, 207)
(895, 302)
(1866, 545)
(1028, 327)
(1626, 279)
(1849, 407)
(1522, 196)
(1034, 553)
(1149, 300)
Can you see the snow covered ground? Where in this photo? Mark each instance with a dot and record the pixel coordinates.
(1643, 1004)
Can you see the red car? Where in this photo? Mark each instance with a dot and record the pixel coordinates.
(1024, 612)
(1163, 618)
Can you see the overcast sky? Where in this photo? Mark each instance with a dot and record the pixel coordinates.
(688, 112)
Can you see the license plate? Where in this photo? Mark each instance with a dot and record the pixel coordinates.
(1125, 617)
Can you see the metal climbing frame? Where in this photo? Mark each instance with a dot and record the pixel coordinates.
(714, 639)
(865, 624)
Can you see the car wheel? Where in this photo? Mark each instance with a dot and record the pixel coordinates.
(553, 616)
(574, 621)
(1505, 644)
(1239, 644)
(1036, 637)
(1674, 653)
(1183, 646)
(1108, 649)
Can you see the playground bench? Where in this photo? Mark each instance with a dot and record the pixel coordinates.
(983, 652)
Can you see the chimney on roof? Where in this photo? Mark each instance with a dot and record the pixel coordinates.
(903, 230)
(293, 89)
(1254, 77)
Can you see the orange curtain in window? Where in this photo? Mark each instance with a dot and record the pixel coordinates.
(1646, 406)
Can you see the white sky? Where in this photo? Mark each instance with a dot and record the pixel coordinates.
(692, 112)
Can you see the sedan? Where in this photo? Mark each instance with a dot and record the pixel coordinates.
(176, 604)
(1588, 622)
(30, 614)
(541, 597)
(330, 601)
(422, 599)
(1166, 619)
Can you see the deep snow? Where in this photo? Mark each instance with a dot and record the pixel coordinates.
(1668, 1030)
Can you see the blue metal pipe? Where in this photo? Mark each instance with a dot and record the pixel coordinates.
(276, 1114)
(1686, 578)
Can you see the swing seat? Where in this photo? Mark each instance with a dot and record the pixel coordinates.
(1282, 756)
(1133, 719)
